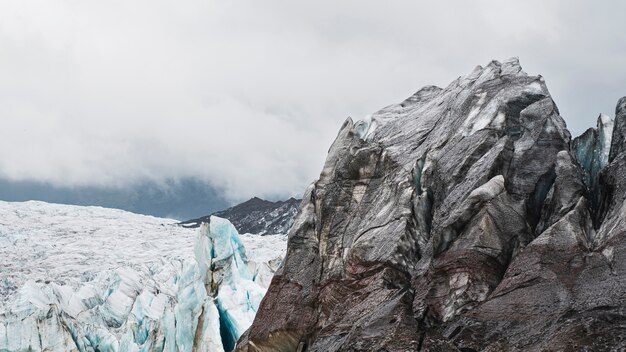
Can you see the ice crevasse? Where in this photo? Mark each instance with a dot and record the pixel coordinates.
(203, 304)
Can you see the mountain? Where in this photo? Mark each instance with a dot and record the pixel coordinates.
(256, 216)
(461, 219)
(79, 278)
(182, 199)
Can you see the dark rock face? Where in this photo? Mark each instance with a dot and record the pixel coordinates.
(256, 216)
(618, 143)
(457, 220)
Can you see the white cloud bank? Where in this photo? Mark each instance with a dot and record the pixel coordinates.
(249, 94)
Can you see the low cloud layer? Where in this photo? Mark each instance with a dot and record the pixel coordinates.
(249, 95)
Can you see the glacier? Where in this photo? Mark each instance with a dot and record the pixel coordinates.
(591, 150)
(95, 279)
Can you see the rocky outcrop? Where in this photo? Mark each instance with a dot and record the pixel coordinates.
(256, 216)
(461, 219)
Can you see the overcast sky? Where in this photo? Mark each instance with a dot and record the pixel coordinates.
(248, 95)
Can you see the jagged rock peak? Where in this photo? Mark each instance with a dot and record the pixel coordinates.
(619, 133)
(434, 220)
(506, 67)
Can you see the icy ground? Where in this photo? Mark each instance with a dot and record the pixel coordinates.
(91, 278)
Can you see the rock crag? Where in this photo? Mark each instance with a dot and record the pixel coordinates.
(462, 219)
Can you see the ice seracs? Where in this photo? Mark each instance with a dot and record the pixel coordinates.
(156, 292)
(592, 150)
(222, 260)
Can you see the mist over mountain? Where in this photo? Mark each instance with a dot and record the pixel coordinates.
(184, 199)
(250, 95)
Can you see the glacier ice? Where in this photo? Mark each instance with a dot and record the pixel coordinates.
(164, 288)
(591, 150)
(221, 256)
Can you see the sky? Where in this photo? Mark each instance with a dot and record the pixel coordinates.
(247, 96)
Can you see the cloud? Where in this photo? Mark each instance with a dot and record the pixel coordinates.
(249, 95)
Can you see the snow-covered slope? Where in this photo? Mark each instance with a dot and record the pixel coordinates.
(91, 278)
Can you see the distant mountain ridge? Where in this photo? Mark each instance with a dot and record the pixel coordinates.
(256, 216)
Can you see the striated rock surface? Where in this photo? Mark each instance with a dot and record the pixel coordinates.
(461, 219)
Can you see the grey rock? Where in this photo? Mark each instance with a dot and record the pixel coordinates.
(256, 216)
(618, 142)
(457, 220)
(612, 209)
